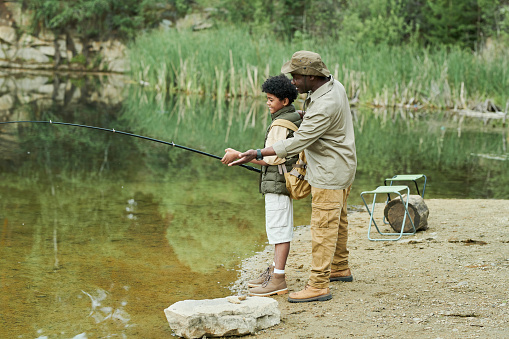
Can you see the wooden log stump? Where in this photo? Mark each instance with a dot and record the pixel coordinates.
(395, 210)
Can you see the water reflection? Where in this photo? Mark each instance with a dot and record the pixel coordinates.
(77, 261)
(101, 312)
(101, 232)
(448, 147)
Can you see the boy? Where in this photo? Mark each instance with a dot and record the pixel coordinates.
(328, 138)
(278, 205)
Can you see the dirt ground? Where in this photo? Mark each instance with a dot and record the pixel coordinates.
(450, 281)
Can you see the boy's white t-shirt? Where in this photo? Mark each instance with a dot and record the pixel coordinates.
(276, 133)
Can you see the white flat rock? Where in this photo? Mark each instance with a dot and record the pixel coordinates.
(221, 317)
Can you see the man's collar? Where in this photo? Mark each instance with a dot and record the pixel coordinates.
(325, 88)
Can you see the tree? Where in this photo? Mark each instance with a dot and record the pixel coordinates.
(286, 18)
(376, 21)
(97, 19)
(451, 22)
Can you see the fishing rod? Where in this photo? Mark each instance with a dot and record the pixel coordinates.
(128, 134)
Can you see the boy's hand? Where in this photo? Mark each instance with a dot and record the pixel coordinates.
(231, 155)
(301, 113)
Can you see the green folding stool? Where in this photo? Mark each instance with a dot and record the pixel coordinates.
(406, 177)
(409, 177)
(388, 190)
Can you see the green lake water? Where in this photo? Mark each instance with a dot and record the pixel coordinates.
(100, 232)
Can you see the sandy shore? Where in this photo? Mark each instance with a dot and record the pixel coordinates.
(450, 281)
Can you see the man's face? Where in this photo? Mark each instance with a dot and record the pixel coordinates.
(300, 82)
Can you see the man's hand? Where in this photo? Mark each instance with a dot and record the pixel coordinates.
(230, 155)
(247, 156)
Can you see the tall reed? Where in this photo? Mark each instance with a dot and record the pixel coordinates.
(227, 62)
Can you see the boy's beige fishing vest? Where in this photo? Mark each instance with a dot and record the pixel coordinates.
(271, 180)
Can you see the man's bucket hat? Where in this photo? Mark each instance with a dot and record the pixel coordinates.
(306, 63)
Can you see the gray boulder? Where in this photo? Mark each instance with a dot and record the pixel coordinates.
(222, 316)
(8, 34)
(31, 54)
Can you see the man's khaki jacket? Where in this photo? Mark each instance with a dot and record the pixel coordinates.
(327, 136)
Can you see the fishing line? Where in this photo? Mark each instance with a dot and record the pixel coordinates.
(131, 135)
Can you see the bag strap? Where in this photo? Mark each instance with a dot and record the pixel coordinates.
(284, 123)
(290, 125)
(296, 174)
(282, 170)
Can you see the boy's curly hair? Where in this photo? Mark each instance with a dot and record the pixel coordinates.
(281, 87)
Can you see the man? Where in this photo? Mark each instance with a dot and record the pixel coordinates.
(327, 136)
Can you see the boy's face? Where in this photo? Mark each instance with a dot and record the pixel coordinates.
(274, 104)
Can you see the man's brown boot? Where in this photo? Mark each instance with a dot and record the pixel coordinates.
(310, 293)
(261, 279)
(343, 275)
(275, 284)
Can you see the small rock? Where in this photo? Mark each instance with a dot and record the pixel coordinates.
(233, 299)
(461, 284)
